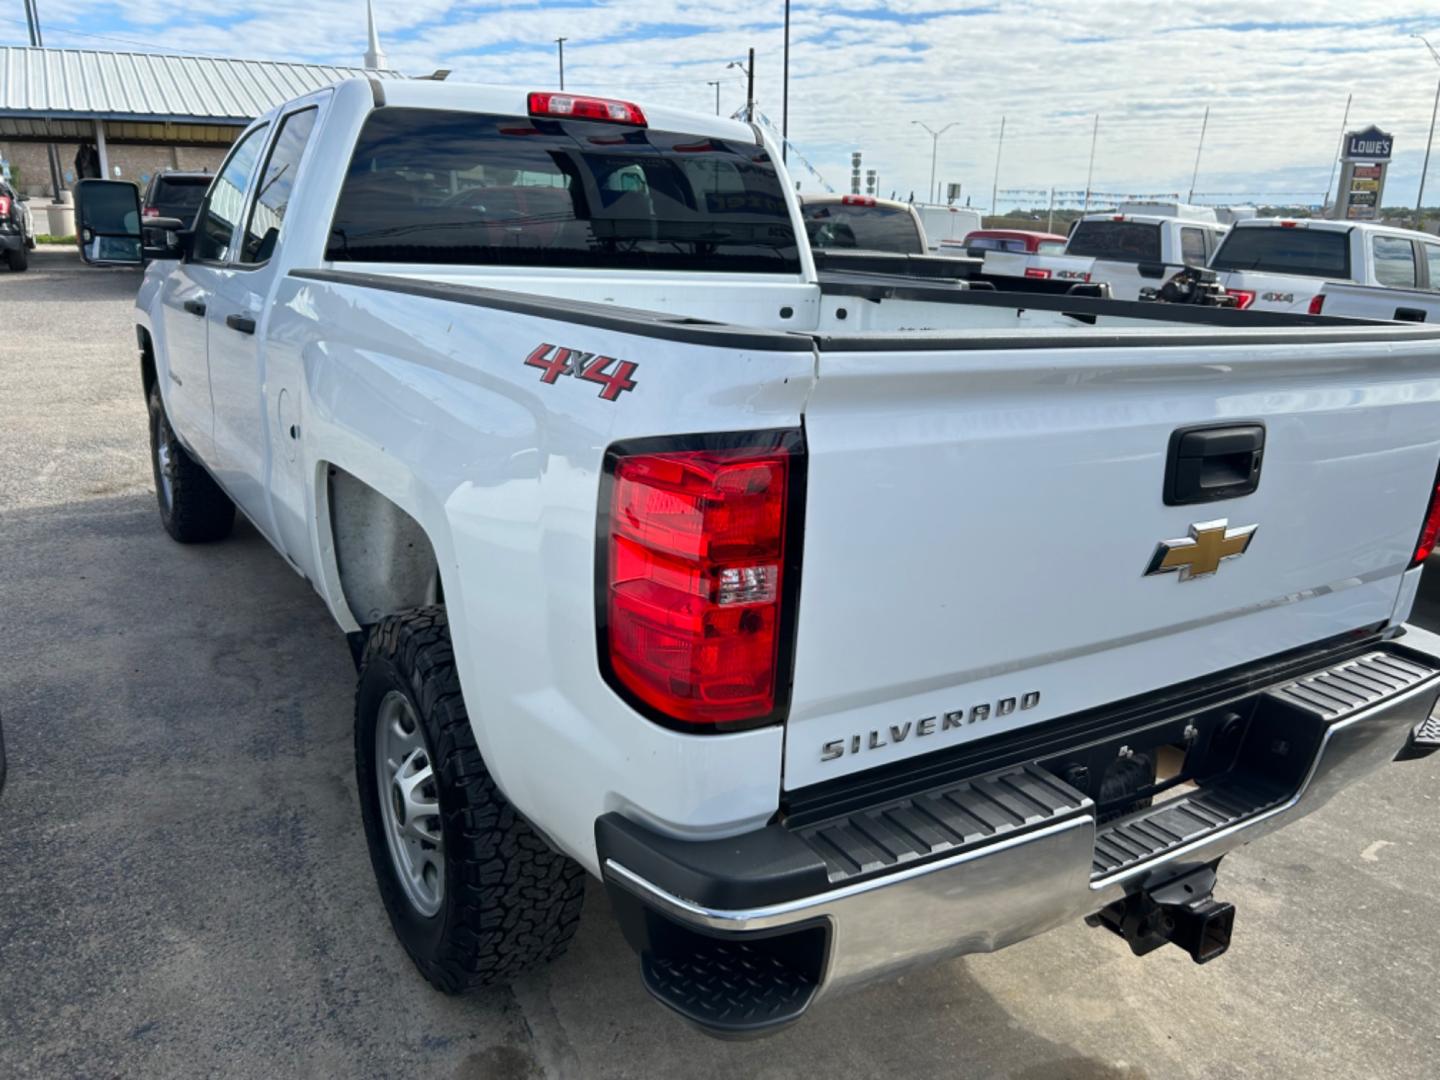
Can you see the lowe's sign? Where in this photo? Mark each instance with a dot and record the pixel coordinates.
(1372, 144)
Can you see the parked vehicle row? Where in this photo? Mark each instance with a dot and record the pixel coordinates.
(837, 626)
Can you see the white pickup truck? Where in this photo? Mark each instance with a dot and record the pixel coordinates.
(837, 627)
(1127, 251)
(1347, 268)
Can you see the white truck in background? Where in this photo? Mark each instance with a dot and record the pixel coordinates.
(947, 226)
(837, 626)
(1345, 268)
(1128, 251)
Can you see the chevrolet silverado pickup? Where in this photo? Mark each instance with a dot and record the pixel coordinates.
(839, 625)
(1344, 268)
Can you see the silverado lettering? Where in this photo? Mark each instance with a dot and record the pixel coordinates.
(976, 714)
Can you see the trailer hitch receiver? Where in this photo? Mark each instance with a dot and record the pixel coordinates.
(1181, 910)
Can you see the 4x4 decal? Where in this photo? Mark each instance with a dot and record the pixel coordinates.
(555, 362)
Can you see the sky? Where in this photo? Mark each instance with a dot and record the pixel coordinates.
(864, 72)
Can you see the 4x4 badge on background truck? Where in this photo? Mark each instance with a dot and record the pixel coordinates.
(583, 365)
(1209, 544)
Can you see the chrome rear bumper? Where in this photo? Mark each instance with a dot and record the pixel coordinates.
(1019, 882)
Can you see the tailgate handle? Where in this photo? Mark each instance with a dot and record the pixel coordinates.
(1216, 461)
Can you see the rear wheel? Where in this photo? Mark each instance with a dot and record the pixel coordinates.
(193, 509)
(475, 895)
(17, 259)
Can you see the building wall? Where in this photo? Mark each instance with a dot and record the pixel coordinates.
(29, 161)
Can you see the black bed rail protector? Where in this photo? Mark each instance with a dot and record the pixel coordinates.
(584, 312)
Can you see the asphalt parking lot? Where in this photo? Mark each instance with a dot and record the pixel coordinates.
(184, 886)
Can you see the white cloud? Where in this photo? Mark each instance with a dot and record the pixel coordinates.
(1275, 75)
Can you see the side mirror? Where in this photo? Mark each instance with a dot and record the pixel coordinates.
(107, 222)
(166, 238)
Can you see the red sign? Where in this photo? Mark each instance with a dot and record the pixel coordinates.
(1367, 172)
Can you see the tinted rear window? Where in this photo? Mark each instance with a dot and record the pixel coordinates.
(862, 228)
(1305, 252)
(993, 243)
(180, 194)
(1119, 241)
(431, 186)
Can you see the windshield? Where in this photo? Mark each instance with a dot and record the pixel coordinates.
(862, 228)
(433, 186)
(1118, 241)
(1304, 252)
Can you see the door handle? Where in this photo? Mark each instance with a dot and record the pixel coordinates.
(195, 307)
(243, 323)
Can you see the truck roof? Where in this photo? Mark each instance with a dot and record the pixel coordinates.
(1329, 225)
(831, 198)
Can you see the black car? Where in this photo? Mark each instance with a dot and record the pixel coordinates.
(175, 195)
(16, 236)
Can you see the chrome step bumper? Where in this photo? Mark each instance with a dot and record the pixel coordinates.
(992, 860)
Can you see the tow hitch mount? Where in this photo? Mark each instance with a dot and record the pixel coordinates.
(1180, 910)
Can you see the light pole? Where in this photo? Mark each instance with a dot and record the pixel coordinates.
(785, 93)
(32, 19)
(1419, 197)
(716, 84)
(560, 44)
(934, 148)
(749, 70)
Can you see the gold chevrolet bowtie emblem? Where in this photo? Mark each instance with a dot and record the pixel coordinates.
(1209, 544)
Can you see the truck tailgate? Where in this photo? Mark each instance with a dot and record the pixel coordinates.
(981, 514)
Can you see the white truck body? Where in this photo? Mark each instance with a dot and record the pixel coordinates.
(947, 226)
(1363, 270)
(1127, 251)
(981, 496)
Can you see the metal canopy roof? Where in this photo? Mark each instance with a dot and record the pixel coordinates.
(95, 84)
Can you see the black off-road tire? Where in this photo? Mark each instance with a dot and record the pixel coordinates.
(18, 259)
(193, 508)
(510, 901)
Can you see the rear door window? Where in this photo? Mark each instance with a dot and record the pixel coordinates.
(272, 195)
(1394, 262)
(1192, 247)
(1117, 241)
(434, 186)
(1303, 252)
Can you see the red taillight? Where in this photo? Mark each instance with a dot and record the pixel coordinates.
(4, 205)
(574, 107)
(1430, 530)
(150, 211)
(1317, 302)
(1288, 224)
(1243, 297)
(695, 580)
(857, 200)
(1036, 272)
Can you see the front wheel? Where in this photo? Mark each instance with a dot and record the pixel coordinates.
(474, 894)
(193, 509)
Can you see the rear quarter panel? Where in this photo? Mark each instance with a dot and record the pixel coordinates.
(432, 403)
